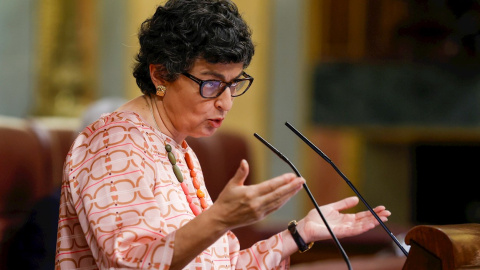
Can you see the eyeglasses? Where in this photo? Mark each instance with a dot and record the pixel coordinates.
(214, 88)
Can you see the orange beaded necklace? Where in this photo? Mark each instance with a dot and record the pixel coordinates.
(193, 174)
(178, 174)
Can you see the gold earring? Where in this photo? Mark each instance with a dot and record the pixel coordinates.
(161, 89)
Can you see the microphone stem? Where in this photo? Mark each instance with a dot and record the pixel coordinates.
(325, 157)
(305, 187)
(370, 209)
(339, 246)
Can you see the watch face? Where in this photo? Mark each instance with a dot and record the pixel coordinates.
(292, 226)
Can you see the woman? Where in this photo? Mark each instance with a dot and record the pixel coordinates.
(133, 193)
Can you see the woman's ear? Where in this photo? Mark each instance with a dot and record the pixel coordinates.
(156, 74)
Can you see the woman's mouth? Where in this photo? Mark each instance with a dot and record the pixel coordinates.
(216, 123)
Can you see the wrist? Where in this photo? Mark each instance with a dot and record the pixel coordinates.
(301, 230)
(289, 245)
(295, 229)
(216, 223)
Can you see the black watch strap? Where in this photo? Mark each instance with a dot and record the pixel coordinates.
(302, 246)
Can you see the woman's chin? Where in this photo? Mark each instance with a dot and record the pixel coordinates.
(207, 132)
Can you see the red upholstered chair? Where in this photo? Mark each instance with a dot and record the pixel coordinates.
(31, 161)
(23, 173)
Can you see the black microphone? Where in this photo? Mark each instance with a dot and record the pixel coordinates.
(284, 158)
(329, 161)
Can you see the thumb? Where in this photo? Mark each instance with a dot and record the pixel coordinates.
(241, 174)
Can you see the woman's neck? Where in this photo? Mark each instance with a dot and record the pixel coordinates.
(160, 119)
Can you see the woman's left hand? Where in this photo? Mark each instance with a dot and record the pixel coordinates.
(312, 227)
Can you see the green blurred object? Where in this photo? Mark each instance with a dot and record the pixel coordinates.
(394, 94)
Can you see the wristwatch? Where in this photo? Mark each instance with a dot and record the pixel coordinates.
(302, 246)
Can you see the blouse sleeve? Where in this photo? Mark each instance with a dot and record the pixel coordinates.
(110, 213)
(266, 254)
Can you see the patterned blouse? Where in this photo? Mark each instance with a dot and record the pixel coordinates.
(121, 204)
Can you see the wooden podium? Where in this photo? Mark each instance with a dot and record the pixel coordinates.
(443, 247)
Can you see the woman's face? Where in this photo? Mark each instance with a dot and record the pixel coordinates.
(187, 112)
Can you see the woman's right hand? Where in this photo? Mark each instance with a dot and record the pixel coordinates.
(239, 205)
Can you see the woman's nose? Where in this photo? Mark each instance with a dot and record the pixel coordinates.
(224, 102)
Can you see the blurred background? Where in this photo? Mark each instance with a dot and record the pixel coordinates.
(388, 89)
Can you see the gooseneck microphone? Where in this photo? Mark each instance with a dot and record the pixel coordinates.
(284, 158)
(329, 161)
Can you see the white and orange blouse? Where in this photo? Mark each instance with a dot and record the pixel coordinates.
(121, 204)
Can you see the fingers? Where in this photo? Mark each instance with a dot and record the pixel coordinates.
(270, 195)
(283, 186)
(239, 204)
(276, 199)
(344, 204)
(283, 182)
(241, 174)
(366, 221)
(383, 215)
(273, 193)
(379, 210)
(343, 225)
(382, 212)
(353, 201)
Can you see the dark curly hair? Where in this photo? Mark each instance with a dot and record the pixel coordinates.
(182, 31)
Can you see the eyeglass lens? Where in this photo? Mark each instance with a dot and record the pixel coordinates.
(214, 88)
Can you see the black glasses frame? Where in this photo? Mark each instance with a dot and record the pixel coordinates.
(201, 83)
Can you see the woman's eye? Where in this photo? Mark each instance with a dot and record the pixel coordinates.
(210, 88)
(210, 85)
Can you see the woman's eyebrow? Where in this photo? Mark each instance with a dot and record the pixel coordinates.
(220, 76)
